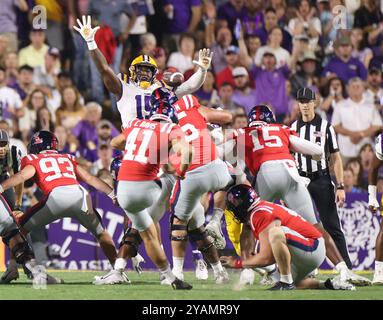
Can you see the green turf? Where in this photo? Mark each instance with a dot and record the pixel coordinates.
(146, 287)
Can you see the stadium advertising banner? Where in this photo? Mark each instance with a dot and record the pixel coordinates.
(79, 250)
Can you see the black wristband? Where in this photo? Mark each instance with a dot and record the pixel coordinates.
(340, 186)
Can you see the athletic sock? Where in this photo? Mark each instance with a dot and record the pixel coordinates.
(168, 274)
(120, 264)
(217, 267)
(287, 278)
(178, 264)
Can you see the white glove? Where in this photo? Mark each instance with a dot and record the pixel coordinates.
(373, 203)
(204, 59)
(136, 261)
(87, 32)
(247, 277)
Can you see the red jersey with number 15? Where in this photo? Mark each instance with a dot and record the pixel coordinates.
(52, 170)
(263, 143)
(193, 124)
(147, 144)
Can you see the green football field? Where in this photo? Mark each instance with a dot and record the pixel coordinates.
(146, 286)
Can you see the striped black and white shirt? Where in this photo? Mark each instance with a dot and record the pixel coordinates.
(318, 131)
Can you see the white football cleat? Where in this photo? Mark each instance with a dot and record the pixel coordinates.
(222, 277)
(247, 277)
(355, 279)
(166, 282)
(201, 272)
(214, 230)
(112, 277)
(338, 284)
(378, 278)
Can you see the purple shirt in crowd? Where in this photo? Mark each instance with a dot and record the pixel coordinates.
(345, 70)
(228, 13)
(245, 101)
(181, 15)
(8, 16)
(271, 87)
(85, 133)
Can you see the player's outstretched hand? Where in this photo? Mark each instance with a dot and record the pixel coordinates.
(204, 59)
(85, 28)
(228, 261)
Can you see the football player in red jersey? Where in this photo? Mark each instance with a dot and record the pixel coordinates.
(284, 237)
(206, 173)
(265, 147)
(147, 144)
(58, 176)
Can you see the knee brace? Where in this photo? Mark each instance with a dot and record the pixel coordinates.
(22, 252)
(201, 238)
(174, 227)
(131, 238)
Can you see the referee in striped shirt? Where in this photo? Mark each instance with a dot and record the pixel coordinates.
(312, 127)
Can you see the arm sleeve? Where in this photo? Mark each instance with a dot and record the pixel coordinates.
(331, 139)
(303, 146)
(192, 84)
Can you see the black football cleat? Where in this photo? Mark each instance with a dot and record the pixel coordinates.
(282, 286)
(181, 285)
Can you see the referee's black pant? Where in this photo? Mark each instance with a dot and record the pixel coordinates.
(323, 193)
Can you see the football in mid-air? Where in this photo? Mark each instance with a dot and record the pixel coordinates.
(172, 77)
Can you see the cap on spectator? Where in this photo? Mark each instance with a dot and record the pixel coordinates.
(158, 52)
(232, 49)
(343, 41)
(239, 71)
(54, 52)
(308, 55)
(374, 70)
(4, 137)
(37, 30)
(104, 124)
(305, 94)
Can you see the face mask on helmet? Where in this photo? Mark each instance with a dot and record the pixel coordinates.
(144, 75)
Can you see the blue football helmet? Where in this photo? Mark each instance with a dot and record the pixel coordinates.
(115, 166)
(240, 200)
(260, 114)
(162, 110)
(42, 141)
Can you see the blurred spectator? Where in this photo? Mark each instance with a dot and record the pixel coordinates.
(207, 94)
(45, 77)
(8, 25)
(366, 155)
(232, 60)
(253, 17)
(360, 51)
(356, 167)
(343, 64)
(71, 110)
(10, 102)
(159, 55)
(368, 16)
(34, 54)
(226, 99)
(229, 12)
(379, 185)
(271, 84)
(182, 16)
(239, 121)
(218, 45)
(306, 24)
(86, 131)
(271, 22)
(348, 180)
(355, 120)
(248, 48)
(4, 125)
(44, 120)
(182, 59)
(3, 49)
(105, 158)
(24, 23)
(11, 64)
(148, 43)
(274, 45)
(64, 144)
(25, 84)
(334, 92)
(305, 77)
(280, 8)
(374, 92)
(243, 95)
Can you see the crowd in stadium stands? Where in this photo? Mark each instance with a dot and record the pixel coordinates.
(264, 51)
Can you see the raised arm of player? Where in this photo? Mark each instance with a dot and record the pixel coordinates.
(211, 115)
(110, 79)
(373, 203)
(198, 78)
(93, 181)
(303, 146)
(27, 173)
